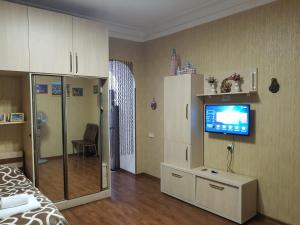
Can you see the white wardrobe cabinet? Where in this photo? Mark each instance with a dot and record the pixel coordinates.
(90, 47)
(62, 44)
(50, 42)
(183, 120)
(13, 37)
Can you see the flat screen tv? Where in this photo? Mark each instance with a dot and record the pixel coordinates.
(228, 119)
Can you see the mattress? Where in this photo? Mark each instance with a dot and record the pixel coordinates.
(13, 181)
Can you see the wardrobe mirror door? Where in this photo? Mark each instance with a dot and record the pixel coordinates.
(83, 138)
(47, 95)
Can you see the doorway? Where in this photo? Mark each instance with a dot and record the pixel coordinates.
(122, 116)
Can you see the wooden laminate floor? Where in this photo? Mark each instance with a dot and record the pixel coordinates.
(137, 200)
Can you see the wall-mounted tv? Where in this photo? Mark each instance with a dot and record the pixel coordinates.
(228, 119)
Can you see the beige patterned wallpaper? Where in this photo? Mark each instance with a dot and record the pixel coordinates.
(266, 38)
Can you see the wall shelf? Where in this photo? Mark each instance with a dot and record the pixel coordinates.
(248, 93)
(12, 123)
(248, 84)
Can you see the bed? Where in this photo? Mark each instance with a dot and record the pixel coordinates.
(13, 181)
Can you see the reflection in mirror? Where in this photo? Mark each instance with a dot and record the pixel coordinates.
(48, 136)
(71, 136)
(83, 136)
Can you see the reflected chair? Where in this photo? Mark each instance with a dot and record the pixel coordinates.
(89, 140)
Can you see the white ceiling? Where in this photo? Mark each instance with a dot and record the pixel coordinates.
(142, 20)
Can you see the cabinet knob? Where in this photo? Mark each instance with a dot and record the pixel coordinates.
(71, 63)
(186, 154)
(76, 62)
(187, 111)
(216, 187)
(176, 175)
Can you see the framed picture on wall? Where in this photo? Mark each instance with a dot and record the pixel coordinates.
(77, 91)
(2, 117)
(16, 117)
(56, 88)
(41, 89)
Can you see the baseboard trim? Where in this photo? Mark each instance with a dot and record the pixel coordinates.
(271, 219)
(149, 176)
(137, 175)
(124, 171)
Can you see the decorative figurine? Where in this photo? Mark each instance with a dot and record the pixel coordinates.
(175, 62)
(237, 82)
(213, 83)
(226, 85)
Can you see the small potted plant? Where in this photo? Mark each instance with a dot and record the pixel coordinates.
(213, 83)
(237, 82)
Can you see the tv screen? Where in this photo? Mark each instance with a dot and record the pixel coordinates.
(227, 119)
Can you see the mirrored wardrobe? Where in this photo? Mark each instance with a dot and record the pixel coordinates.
(70, 135)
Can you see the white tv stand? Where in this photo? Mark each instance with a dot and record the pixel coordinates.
(226, 194)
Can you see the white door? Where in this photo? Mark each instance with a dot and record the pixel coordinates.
(90, 45)
(14, 54)
(50, 42)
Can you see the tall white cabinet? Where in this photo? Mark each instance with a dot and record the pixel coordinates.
(183, 120)
(14, 52)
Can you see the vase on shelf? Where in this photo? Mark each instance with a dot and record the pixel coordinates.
(213, 89)
(175, 63)
(237, 86)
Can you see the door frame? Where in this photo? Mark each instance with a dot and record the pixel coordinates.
(134, 116)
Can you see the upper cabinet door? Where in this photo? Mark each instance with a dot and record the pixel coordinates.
(90, 47)
(177, 108)
(14, 53)
(50, 42)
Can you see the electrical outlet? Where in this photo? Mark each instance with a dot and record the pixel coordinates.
(230, 147)
(151, 135)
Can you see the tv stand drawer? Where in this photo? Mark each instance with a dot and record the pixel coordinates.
(219, 197)
(177, 183)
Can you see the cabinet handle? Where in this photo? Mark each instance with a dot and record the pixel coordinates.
(186, 153)
(216, 187)
(71, 64)
(187, 111)
(176, 175)
(76, 62)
